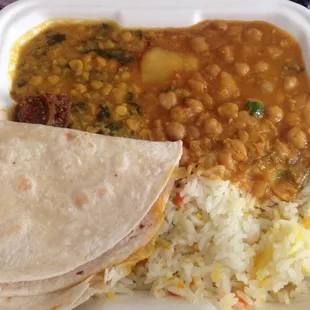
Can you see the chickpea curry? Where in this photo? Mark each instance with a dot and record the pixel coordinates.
(236, 93)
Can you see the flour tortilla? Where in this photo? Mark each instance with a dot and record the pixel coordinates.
(69, 196)
(100, 284)
(62, 300)
(83, 299)
(137, 239)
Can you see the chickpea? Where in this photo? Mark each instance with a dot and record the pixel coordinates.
(219, 25)
(237, 149)
(112, 65)
(132, 124)
(53, 79)
(228, 87)
(126, 36)
(185, 157)
(297, 137)
(73, 92)
(234, 31)
(181, 115)
(207, 101)
(266, 126)
(168, 100)
(62, 61)
(136, 89)
(228, 110)
(195, 147)
(144, 134)
(248, 50)
(87, 58)
(300, 100)
(76, 65)
(201, 118)
(213, 170)
(158, 133)
(119, 93)
(260, 188)
(81, 88)
(243, 135)
(242, 68)
(121, 110)
(125, 76)
(175, 131)
(107, 44)
(101, 62)
(286, 43)
(96, 85)
(85, 76)
(197, 86)
(212, 127)
(245, 120)
(182, 93)
(280, 98)
(282, 150)
(195, 105)
(198, 77)
(284, 189)
(290, 82)
(274, 51)
(274, 113)
(292, 119)
(267, 86)
(261, 66)
(36, 80)
(192, 133)
(106, 89)
(213, 70)
(228, 53)
(306, 114)
(225, 158)
(199, 44)
(254, 34)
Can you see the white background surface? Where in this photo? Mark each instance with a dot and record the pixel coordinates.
(23, 15)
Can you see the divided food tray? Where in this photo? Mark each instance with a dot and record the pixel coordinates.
(21, 16)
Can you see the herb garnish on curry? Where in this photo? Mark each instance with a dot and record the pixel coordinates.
(236, 93)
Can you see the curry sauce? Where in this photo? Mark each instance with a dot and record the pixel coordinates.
(236, 93)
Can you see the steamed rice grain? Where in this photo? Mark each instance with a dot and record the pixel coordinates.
(221, 246)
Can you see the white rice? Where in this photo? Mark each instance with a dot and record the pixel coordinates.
(219, 245)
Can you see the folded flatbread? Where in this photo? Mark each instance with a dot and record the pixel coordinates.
(63, 300)
(74, 203)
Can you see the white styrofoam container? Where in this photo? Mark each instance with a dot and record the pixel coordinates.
(21, 16)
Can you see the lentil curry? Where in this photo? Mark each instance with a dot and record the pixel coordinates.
(236, 93)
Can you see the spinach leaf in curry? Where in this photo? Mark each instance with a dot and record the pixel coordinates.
(53, 38)
(104, 113)
(118, 54)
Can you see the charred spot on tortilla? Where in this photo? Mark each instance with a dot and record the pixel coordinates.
(24, 184)
(46, 109)
(80, 272)
(141, 226)
(81, 199)
(101, 191)
(69, 135)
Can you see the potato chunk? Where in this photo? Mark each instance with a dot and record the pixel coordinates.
(158, 65)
